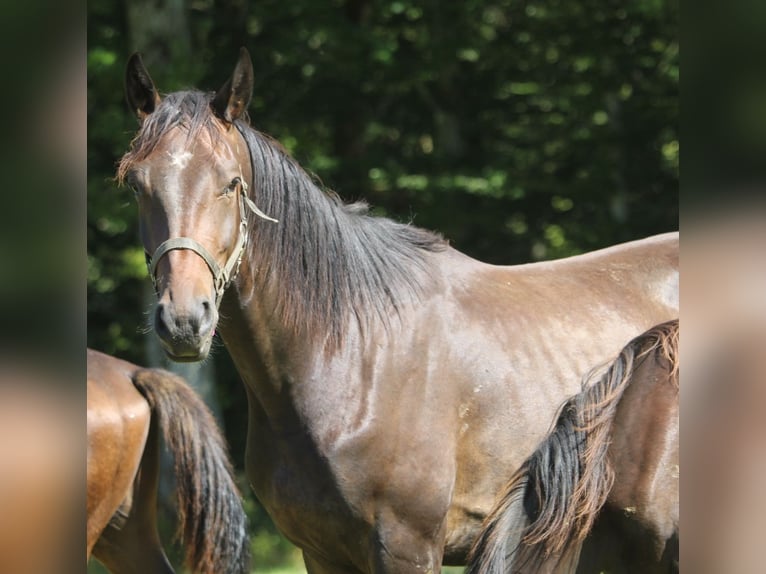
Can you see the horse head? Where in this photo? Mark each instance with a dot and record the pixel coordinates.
(189, 170)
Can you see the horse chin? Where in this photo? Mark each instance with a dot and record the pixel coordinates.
(187, 352)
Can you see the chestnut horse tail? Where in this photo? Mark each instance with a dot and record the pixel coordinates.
(551, 502)
(212, 521)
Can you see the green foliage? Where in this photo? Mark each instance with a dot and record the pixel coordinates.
(519, 130)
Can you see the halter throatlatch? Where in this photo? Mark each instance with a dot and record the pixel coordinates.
(222, 276)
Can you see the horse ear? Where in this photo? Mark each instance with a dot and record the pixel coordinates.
(139, 88)
(233, 98)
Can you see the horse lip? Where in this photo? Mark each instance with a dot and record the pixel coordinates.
(184, 351)
(185, 358)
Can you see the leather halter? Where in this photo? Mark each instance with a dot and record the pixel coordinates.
(222, 276)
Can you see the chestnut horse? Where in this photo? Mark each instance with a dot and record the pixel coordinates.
(128, 407)
(608, 471)
(394, 384)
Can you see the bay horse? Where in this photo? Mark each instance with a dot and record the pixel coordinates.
(394, 384)
(128, 408)
(608, 471)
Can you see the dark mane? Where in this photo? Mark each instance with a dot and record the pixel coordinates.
(330, 260)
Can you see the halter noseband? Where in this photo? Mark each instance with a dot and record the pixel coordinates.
(222, 276)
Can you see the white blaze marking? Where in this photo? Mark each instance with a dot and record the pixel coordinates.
(180, 159)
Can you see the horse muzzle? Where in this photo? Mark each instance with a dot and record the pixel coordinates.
(186, 335)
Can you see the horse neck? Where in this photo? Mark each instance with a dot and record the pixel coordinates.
(324, 265)
(252, 339)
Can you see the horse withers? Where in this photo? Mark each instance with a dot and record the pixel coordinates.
(394, 384)
(129, 407)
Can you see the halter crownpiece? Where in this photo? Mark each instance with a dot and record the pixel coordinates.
(222, 276)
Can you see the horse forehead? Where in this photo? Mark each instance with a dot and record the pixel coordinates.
(180, 158)
(177, 164)
(180, 146)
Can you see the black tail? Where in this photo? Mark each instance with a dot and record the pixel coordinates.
(550, 503)
(212, 520)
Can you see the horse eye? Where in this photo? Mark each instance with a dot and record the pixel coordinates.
(134, 186)
(134, 189)
(232, 187)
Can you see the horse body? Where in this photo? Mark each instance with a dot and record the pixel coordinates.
(394, 384)
(128, 408)
(424, 422)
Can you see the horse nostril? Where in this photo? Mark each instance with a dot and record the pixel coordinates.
(169, 324)
(160, 326)
(206, 318)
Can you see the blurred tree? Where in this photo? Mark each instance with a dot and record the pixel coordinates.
(520, 130)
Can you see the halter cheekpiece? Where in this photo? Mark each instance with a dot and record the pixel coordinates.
(222, 276)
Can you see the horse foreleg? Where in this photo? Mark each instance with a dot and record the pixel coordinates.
(425, 559)
(405, 552)
(318, 565)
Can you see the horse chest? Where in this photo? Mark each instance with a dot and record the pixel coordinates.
(298, 489)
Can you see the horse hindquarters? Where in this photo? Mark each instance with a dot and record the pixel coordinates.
(130, 544)
(118, 428)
